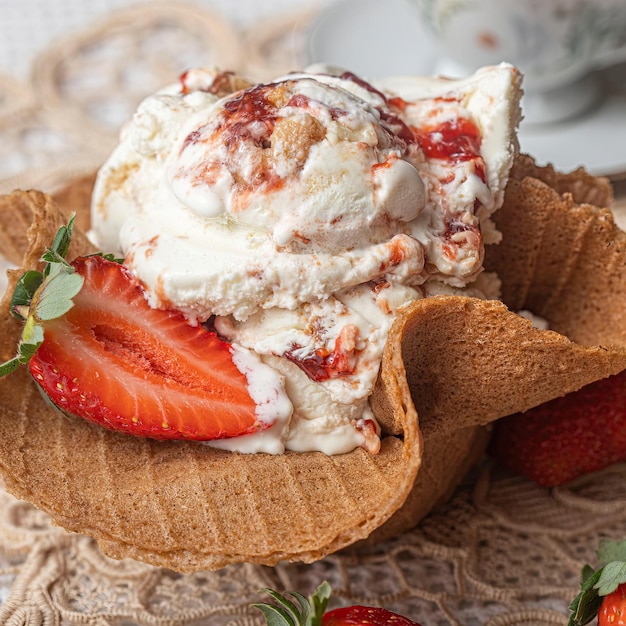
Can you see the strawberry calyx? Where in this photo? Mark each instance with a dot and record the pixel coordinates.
(294, 609)
(40, 296)
(599, 584)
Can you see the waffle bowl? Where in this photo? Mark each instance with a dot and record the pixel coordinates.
(189, 507)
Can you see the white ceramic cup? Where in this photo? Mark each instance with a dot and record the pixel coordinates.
(555, 43)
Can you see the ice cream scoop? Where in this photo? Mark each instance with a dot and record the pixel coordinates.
(300, 215)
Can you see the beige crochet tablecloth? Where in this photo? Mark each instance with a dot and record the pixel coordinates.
(502, 552)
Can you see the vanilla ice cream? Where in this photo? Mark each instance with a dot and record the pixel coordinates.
(297, 216)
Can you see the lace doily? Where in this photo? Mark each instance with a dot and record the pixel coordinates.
(502, 552)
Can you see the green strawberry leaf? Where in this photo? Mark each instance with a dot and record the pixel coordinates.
(24, 291)
(10, 366)
(586, 604)
(586, 573)
(54, 299)
(41, 296)
(287, 608)
(57, 252)
(53, 259)
(110, 257)
(319, 600)
(611, 551)
(613, 574)
(286, 613)
(305, 607)
(276, 616)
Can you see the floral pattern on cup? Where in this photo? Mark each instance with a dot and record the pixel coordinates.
(554, 42)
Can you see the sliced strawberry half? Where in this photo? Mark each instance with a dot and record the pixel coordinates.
(114, 360)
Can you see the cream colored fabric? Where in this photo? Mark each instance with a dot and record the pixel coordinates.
(501, 553)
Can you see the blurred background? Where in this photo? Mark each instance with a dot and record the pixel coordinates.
(28, 26)
(71, 72)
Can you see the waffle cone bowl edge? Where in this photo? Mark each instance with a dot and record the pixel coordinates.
(452, 365)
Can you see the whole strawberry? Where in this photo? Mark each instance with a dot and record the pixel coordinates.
(364, 615)
(293, 609)
(555, 442)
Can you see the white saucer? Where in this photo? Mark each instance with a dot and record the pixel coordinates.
(374, 39)
(595, 140)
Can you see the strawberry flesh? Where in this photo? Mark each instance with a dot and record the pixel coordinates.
(114, 360)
